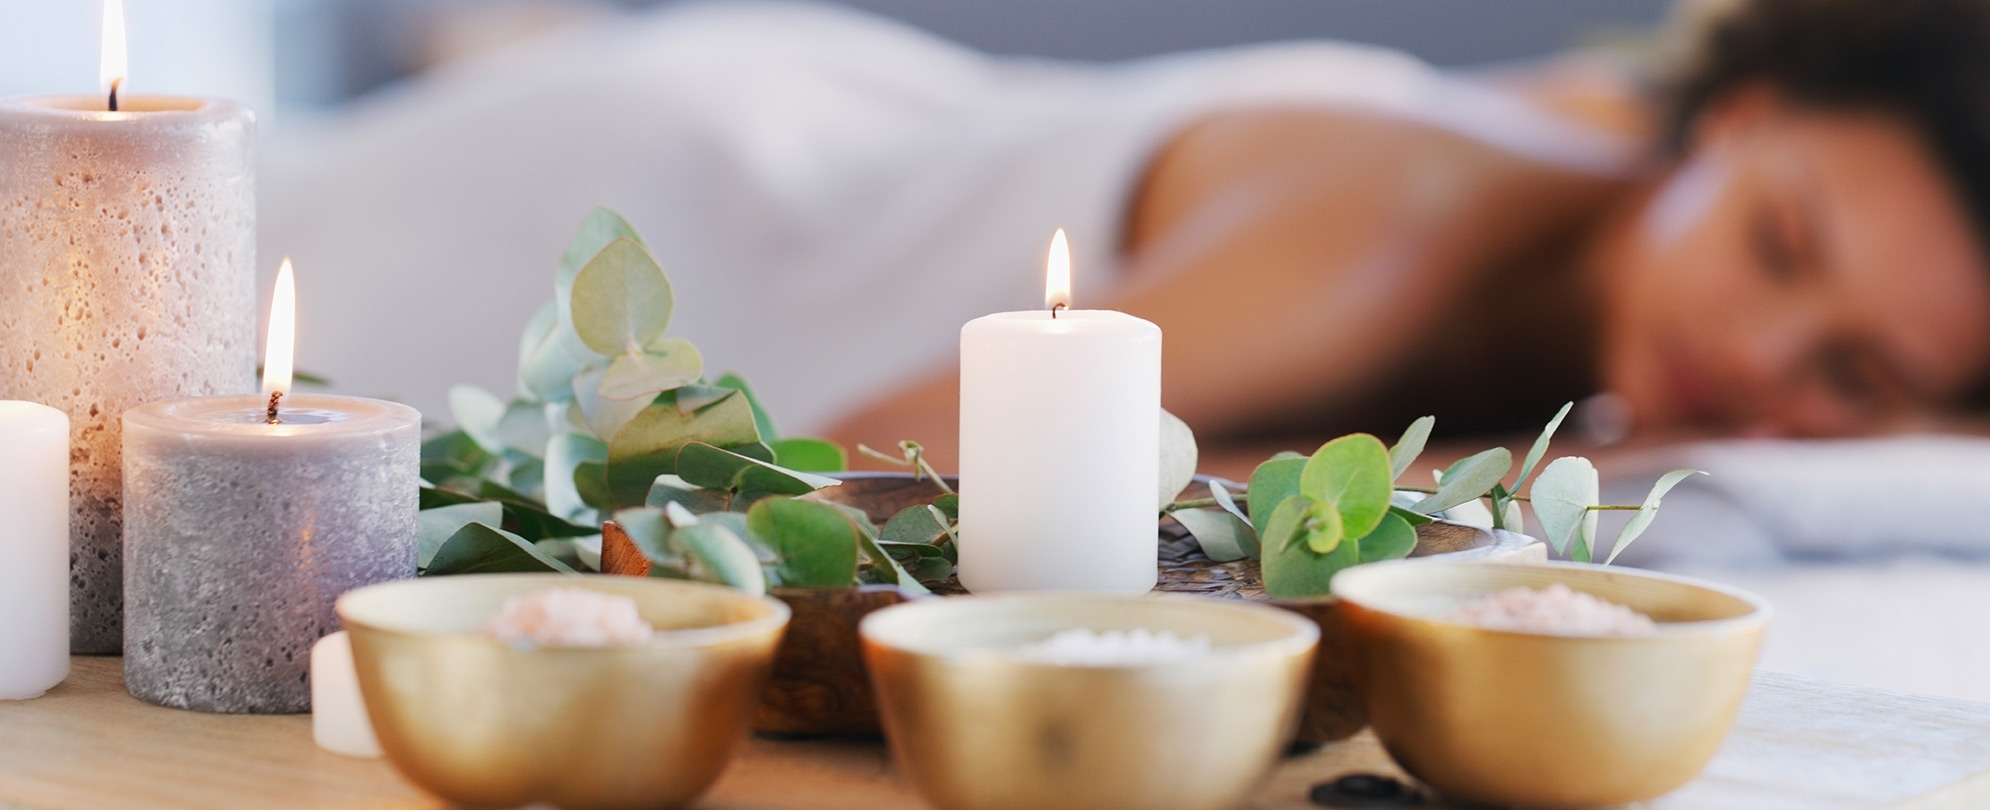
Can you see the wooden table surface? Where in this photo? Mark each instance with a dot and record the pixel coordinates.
(1799, 744)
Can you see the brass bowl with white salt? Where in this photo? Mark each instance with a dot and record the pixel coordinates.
(1540, 719)
(490, 723)
(1075, 702)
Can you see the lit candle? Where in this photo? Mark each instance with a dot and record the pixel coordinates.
(127, 275)
(338, 714)
(245, 516)
(34, 581)
(1059, 446)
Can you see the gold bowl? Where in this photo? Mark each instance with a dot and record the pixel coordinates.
(974, 727)
(486, 724)
(1510, 718)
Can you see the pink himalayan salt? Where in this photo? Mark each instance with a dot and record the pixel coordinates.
(569, 617)
(1554, 610)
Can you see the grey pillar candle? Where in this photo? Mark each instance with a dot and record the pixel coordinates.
(238, 534)
(127, 275)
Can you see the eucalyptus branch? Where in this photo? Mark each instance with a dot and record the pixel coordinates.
(914, 457)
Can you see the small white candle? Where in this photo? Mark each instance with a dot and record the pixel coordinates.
(1059, 447)
(34, 580)
(338, 712)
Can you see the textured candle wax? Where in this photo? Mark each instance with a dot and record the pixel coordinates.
(240, 534)
(1060, 426)
(127, 276)
(34, 548)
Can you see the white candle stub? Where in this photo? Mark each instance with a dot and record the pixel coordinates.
(338, 711)
(34, 582)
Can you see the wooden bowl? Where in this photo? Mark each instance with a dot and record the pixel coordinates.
(821, 687)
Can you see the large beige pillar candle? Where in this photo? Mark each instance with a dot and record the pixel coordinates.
(127, 276)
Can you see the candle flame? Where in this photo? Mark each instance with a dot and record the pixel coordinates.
(112, 72)
(282, 332)
(1057, 276)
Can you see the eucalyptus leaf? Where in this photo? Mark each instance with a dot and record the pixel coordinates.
(1562, 496)
(1271, 483)
(1468, 480)
(523, 428)
(1514, 521)
(887, 569)
(480, 549)
(649, 445)
(1641, 519)
(621, 299)
(1540, 447)
(814, 544)
(526, 517)
(1325, 528)
(1352, 475)
(565, 453)
(718, 555)
(477, 413)
(1412, 518)
(761, 418)
(591, 484)
(602, 227)
(1410, 446)
(435, 526)
(550, 356)
(665, 364)
(1293, 570)
(1222, 535)
(1394, 539)
(915, 525)
(669, 489)
(433, 497)
(1286, 525)
(809, 455)
(1228, 502)
(716, 468)
(605, 418)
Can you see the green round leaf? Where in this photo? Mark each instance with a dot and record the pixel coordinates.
(1324, 528)
(1393, 540)
(1271, 483)
(1354, 475)
(621, 299)
(814, 544)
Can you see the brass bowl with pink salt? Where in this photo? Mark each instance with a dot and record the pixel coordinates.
(582, 692)
(1554, 686)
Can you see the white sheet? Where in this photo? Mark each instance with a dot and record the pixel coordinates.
(833, 194)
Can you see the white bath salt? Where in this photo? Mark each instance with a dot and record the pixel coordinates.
(1555, 610)
(569, 617)
(1082, 647)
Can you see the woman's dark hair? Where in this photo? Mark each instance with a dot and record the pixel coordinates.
(1925, 60)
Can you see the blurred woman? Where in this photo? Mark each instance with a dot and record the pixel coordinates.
(1784, 238)
(1797, 250)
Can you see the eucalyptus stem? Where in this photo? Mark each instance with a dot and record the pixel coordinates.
(914, 457)
(1193, 503)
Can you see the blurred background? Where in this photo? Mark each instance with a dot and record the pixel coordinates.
(303, 57)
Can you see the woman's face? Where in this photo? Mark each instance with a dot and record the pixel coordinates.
(1802, 272)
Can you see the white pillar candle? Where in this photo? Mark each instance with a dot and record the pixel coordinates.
(34, 579)
(338, 712)
(1059, 448)
(127, 275)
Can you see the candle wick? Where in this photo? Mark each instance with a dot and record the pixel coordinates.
(274, 398)
(1054, 309)
(114, 85)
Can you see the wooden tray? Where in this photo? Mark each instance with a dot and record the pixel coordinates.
(820, 686)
